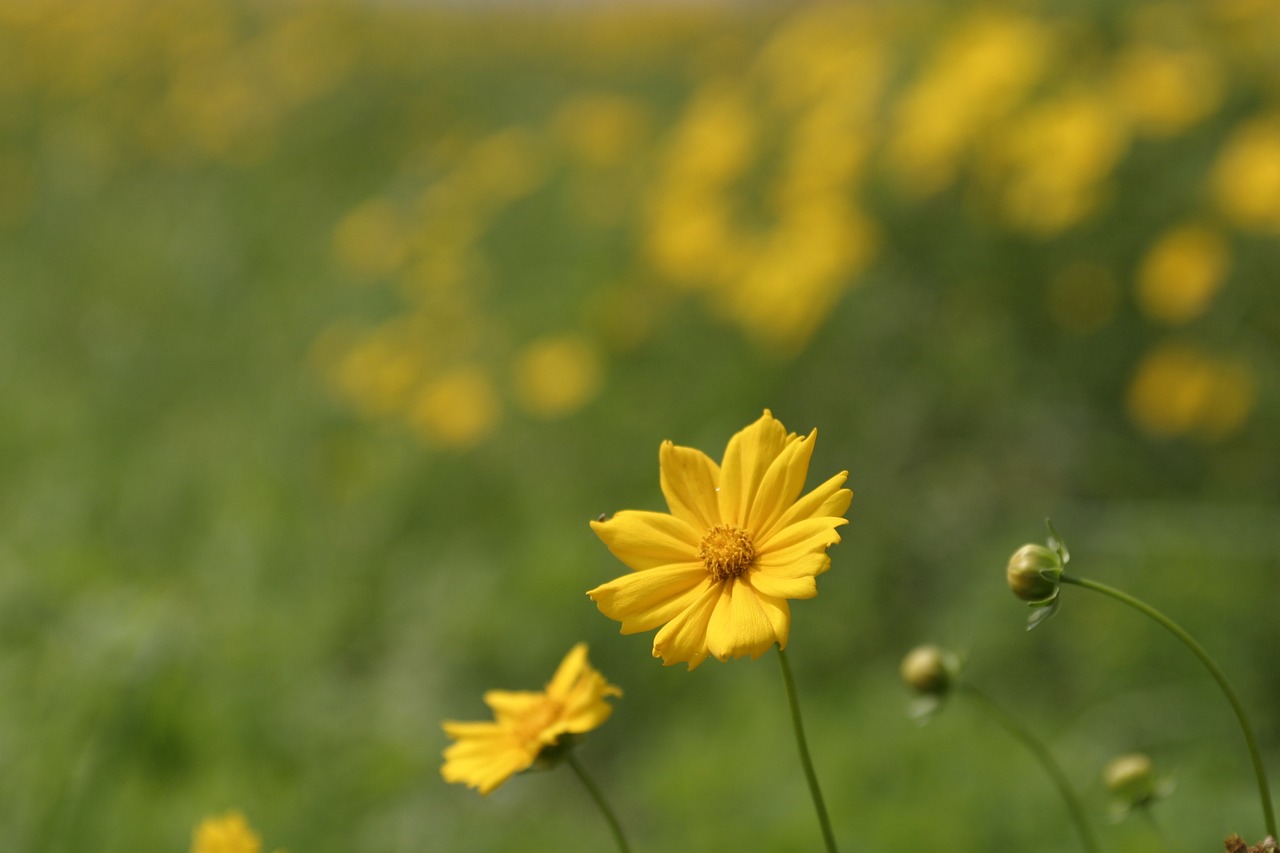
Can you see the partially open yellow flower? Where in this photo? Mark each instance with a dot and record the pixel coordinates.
(739, 541)
(229, 833)
(528, 724)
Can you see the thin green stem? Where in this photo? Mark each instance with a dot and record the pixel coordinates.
(1255, 754)
(1074, 807)
(594, 790)
(827, 835)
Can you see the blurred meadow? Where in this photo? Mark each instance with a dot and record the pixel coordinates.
(326, 327)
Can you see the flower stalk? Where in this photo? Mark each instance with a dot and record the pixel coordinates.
(1075, 808)
(828, 836)
(1255, 754)
(598, 796)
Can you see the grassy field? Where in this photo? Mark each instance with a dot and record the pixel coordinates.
(325, 330)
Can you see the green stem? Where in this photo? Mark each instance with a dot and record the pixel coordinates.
(828, 836)
(594, 791)
(1041, 752)
(1264, 791)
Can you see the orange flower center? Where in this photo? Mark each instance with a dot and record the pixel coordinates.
(726, 551)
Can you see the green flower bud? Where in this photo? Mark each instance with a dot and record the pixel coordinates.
(1131, 778)
(1033, 574)
(930, 671)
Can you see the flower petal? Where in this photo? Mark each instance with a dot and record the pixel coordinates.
(827, 500)
(513, 704)
(792, 564)
(739, 625)
(782, 483)
(485, 755)
(644, 540)
(569, 672)
(781, 586)
(778, 613)
(789, 544)
(684, 638)
(746, 459)
(644, 600)
(689, 479)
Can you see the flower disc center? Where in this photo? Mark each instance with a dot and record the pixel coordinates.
(726, 551)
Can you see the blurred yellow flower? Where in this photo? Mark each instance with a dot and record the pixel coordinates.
(557, 375)
(1178, 389)
(1181, 274)
(459, 408)
(980, 72)
(1055, 157)
(526, 723)
(1246, 176)
(739, 541)
(372, 240)
(229, 833)
(1163, 90)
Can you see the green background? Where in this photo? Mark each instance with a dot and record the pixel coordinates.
(223, 584)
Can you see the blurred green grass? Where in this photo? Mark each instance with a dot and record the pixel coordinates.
(232, 578)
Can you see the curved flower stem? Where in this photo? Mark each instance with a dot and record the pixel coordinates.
(1041, 752)
(827, 835)
(596, 795)
(1264, 791)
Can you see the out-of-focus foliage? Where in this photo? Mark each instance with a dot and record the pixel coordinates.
(327, 326)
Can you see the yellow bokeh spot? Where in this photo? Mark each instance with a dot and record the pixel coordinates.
(229, 833)
(1181, 274)
(377, 373)
(602, 131)
(1055, 157)
(372, 240)
(1179, 389)
(1164, 91)
(555, 376)
(1246, 176)
(980, 72)
(457, 409)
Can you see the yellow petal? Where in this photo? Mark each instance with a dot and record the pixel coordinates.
(782, 483)
(644, 600)
(513, 704)
(689, 479)
(827, 500)
(778, 586)
(746, 459)
(571, 669)
(739, 625)
(643, 540)
(778, 612)
(803, 537)
(792, 564)
(485, 770)
(684, 638)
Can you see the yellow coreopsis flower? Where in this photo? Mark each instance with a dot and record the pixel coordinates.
(527, 724)
(716, 572)
(229, 833)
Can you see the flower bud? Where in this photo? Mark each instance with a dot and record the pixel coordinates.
(1131, 778)
(930, 670)
(1033, 574)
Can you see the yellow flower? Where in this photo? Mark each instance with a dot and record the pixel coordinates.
(528, 723)
(717, 571)
(229, 833)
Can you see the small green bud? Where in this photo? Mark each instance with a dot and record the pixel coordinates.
(1131, 778)
(1132, 781)
(1033, 574)
(929, 670)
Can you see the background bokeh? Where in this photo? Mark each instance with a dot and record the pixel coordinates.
(326, 327)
